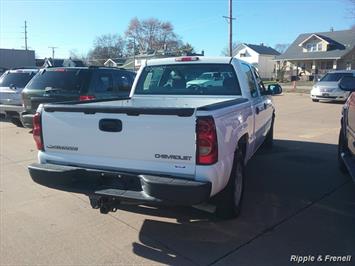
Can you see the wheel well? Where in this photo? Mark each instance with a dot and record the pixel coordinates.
(242, 143)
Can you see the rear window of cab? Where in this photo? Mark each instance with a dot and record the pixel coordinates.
(188, 79)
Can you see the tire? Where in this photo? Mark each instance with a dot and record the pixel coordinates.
(341, 149)
(315, 100)
(17, 122)
(229, 200)
(269, 140)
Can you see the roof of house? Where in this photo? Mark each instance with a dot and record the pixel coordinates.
(260, 49)
(341, 42)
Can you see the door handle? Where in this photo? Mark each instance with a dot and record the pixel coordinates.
(110, 125)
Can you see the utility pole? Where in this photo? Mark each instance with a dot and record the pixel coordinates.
(230, 22)
(53, 50)
(25, 35)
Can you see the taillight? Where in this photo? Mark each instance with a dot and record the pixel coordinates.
(86, 97)
(206, 141)
(187, 58)
(37, 131)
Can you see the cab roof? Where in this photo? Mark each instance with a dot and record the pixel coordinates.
(189, 60)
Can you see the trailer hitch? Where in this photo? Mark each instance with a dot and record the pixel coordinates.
(106, 204)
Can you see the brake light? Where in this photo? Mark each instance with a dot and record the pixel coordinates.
(186, 58)
(86, 97)
(37, 131)
(206, 141)
(60, 69)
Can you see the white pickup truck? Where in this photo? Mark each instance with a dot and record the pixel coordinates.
(168, 143)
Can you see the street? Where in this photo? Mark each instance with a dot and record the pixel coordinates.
(296, 202)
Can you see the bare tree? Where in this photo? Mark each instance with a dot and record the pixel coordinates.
(74, 54)
(281, 47)
(152, 35)
(186, 49)
(225, 51)
(107, 46)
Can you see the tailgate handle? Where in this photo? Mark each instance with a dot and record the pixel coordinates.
(110, 125)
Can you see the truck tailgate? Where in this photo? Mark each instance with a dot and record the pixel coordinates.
(122, 139)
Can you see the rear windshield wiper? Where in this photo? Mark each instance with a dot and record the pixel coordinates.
(50, 89)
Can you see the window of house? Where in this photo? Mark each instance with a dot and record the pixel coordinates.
(319, 47)
(313, 47)
(329, 65)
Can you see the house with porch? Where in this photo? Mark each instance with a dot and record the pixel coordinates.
(312, 55)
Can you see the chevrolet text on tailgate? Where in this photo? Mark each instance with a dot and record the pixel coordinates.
(182, 137)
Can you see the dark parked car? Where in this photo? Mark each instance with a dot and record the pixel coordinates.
(346, 154)
(12, 82)
(60, 84)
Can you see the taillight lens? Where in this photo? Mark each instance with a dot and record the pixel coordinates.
(37, 131)
(86, 97)
(206, 137)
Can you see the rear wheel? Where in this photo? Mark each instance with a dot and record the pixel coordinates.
(315, 100)
(229, 201)
(342, 148)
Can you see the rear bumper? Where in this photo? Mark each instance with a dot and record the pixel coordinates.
(26, 119)
(349, 162)
(11, 110)
(139, 188)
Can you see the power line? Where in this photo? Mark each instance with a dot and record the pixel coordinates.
(230, 22)
(53, 50)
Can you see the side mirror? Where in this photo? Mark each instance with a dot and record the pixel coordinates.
(12, 87)
(274, 89)
(347, 83)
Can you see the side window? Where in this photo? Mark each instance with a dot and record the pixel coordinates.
(104, 82)
(259, 81)
(251, 81)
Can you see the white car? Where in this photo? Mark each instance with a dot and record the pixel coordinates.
(207, 79)
(328, 87)
(168, 143)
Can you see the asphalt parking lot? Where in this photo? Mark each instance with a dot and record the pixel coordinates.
(296, 203)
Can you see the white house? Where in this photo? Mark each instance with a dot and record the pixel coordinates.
(261, 56)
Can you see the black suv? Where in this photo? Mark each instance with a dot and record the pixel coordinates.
(61, 84)
(346, 154)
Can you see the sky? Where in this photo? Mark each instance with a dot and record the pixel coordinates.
(73, 25)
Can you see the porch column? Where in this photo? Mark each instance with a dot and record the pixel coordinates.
(313, 66)
(335, 64)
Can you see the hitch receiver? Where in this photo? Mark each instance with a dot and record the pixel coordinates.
(106, 204)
